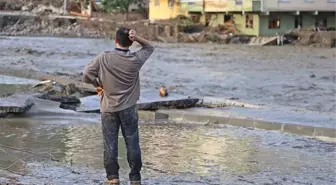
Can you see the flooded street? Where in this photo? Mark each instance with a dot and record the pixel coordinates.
(290, 77)
(172, 154)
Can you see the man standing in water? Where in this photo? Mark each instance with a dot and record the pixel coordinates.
(115, 74)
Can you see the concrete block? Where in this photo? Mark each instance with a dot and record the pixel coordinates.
(325, 132)
(299, 129)
(146, 115)
(265, 125)
(241, 122)
(196, 117)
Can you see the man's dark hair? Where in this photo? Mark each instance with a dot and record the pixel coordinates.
(122, 37)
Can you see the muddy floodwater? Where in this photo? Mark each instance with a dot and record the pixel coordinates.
(69, 151)
(290, 77)
(54, 146)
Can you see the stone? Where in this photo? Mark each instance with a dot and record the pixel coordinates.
(148, 101)
(16, 103)
(53, 91)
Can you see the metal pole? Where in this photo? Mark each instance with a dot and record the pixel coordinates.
(65, 4)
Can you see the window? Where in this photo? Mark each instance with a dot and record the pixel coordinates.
(157, 2)
(308, 1)
(239, 2)
(195, 17)
(227, 18)
(331, 1)
(249, 21)
(273, 23)
(321, 24)
(283, 1)
(170, 3)
(191, 3)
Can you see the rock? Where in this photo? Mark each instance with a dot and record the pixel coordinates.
(54, 88)
(148, 101)
(24, 8)
(16, 103)
(53, 91)
(187, 38)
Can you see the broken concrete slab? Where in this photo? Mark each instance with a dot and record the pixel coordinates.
(59, 98)
(215, 102)
(148, 101)
(16, 103)
(153, 101)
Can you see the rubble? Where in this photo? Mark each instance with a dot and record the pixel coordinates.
(310, 37)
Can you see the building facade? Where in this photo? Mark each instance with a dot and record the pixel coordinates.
(281, 16)
(164, 9)
(252, 17)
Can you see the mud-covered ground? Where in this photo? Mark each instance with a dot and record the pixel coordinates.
(292, 77)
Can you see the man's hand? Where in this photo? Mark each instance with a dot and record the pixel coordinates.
(132, 35)
(100, 91)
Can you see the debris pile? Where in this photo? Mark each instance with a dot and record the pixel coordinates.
(19, 25)
(310, 37)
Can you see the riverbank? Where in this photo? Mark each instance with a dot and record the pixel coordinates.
(179, 30)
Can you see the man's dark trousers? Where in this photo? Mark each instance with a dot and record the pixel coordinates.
(128, 121)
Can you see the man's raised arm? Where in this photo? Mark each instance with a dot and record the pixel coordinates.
(147, 48)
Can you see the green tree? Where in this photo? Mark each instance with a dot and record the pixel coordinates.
(121, 5)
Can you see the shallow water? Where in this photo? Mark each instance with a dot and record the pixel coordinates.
(9, 84)
(172, 154)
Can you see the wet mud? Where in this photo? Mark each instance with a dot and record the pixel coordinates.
(291, 77)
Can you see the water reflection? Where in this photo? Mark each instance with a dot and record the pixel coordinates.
(168, 150)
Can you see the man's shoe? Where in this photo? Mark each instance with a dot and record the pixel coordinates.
(112, 182)
(135, 182)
